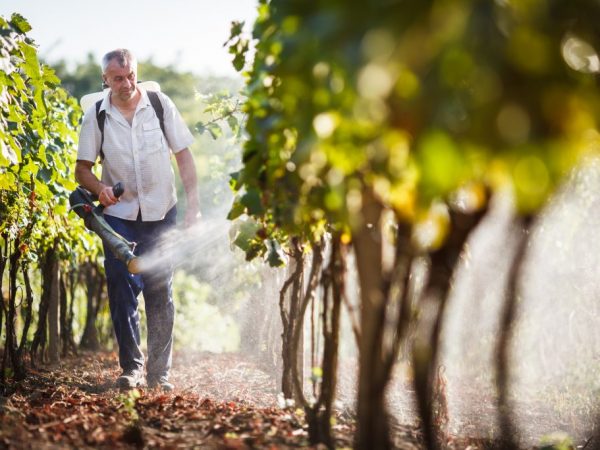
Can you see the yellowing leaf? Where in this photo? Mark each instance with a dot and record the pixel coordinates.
(8, 181)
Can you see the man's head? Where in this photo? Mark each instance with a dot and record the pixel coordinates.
(119, 72)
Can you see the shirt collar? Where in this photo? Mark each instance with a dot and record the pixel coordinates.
(144, 100)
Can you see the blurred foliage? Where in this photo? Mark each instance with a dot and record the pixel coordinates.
(557, 441)
(418, 102)
(83, 79)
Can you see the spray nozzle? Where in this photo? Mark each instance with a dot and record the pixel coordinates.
(82, 202)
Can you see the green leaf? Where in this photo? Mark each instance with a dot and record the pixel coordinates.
(7, 155)
(61, 209)
(50, 77)
(251, 200)
(245, 234)
(233, 123)
(239, 61)
(276, 256)
(69, 184)
(43, 191)
(20, 23)
(28, 170)
(254, 250)
(234, 180)
(31, 64)
(214, 130)
(237, 209)
(236, 28)
(42, 154)
(8, 181)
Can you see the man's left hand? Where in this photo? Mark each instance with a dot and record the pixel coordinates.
(187, 171)
(192, 216)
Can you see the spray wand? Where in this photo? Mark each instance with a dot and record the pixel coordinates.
(82, 202)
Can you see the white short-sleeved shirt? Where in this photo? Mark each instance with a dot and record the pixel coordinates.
(137, 155)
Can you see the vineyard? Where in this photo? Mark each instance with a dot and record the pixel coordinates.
(406, 256)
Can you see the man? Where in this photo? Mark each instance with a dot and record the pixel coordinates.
(134, 151)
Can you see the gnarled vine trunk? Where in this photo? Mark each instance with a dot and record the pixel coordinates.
(67, 313)
(53, 313)
(289, 319)
(508, 431)
(94, 283)
(39, 339)
(384, 320)
(333, 280)
(372, 415)
(434, 298)
(10, 346)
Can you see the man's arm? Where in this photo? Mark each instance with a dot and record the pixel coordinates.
(187, 172)
(86, 178)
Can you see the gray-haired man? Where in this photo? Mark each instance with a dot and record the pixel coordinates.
(135, 151)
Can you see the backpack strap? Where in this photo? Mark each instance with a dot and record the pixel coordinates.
(158, 108)
(156, 105)
(100, 118)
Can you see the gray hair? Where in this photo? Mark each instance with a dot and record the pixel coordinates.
(122, 55)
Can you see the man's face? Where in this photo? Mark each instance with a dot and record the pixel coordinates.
(121, 80)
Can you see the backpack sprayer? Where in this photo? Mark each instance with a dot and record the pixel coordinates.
(82, 202)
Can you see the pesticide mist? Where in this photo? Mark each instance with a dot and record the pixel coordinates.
(555, 349)
(209, 285)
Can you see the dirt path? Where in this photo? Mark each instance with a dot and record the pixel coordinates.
(220, 402)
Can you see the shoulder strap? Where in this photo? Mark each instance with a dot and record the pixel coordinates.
(100, 118)
(158, 108)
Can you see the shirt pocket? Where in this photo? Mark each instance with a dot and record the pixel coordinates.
(155, 158)
(152, 137)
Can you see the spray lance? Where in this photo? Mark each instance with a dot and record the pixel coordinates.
(82, 202)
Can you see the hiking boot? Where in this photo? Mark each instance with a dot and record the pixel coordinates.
(160, 383)
(130, 379)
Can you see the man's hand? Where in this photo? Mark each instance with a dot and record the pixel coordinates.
(85, 177)
(187, 172)
(107, 196)
(192, 216)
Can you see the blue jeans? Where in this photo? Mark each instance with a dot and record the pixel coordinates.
(156, 285)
